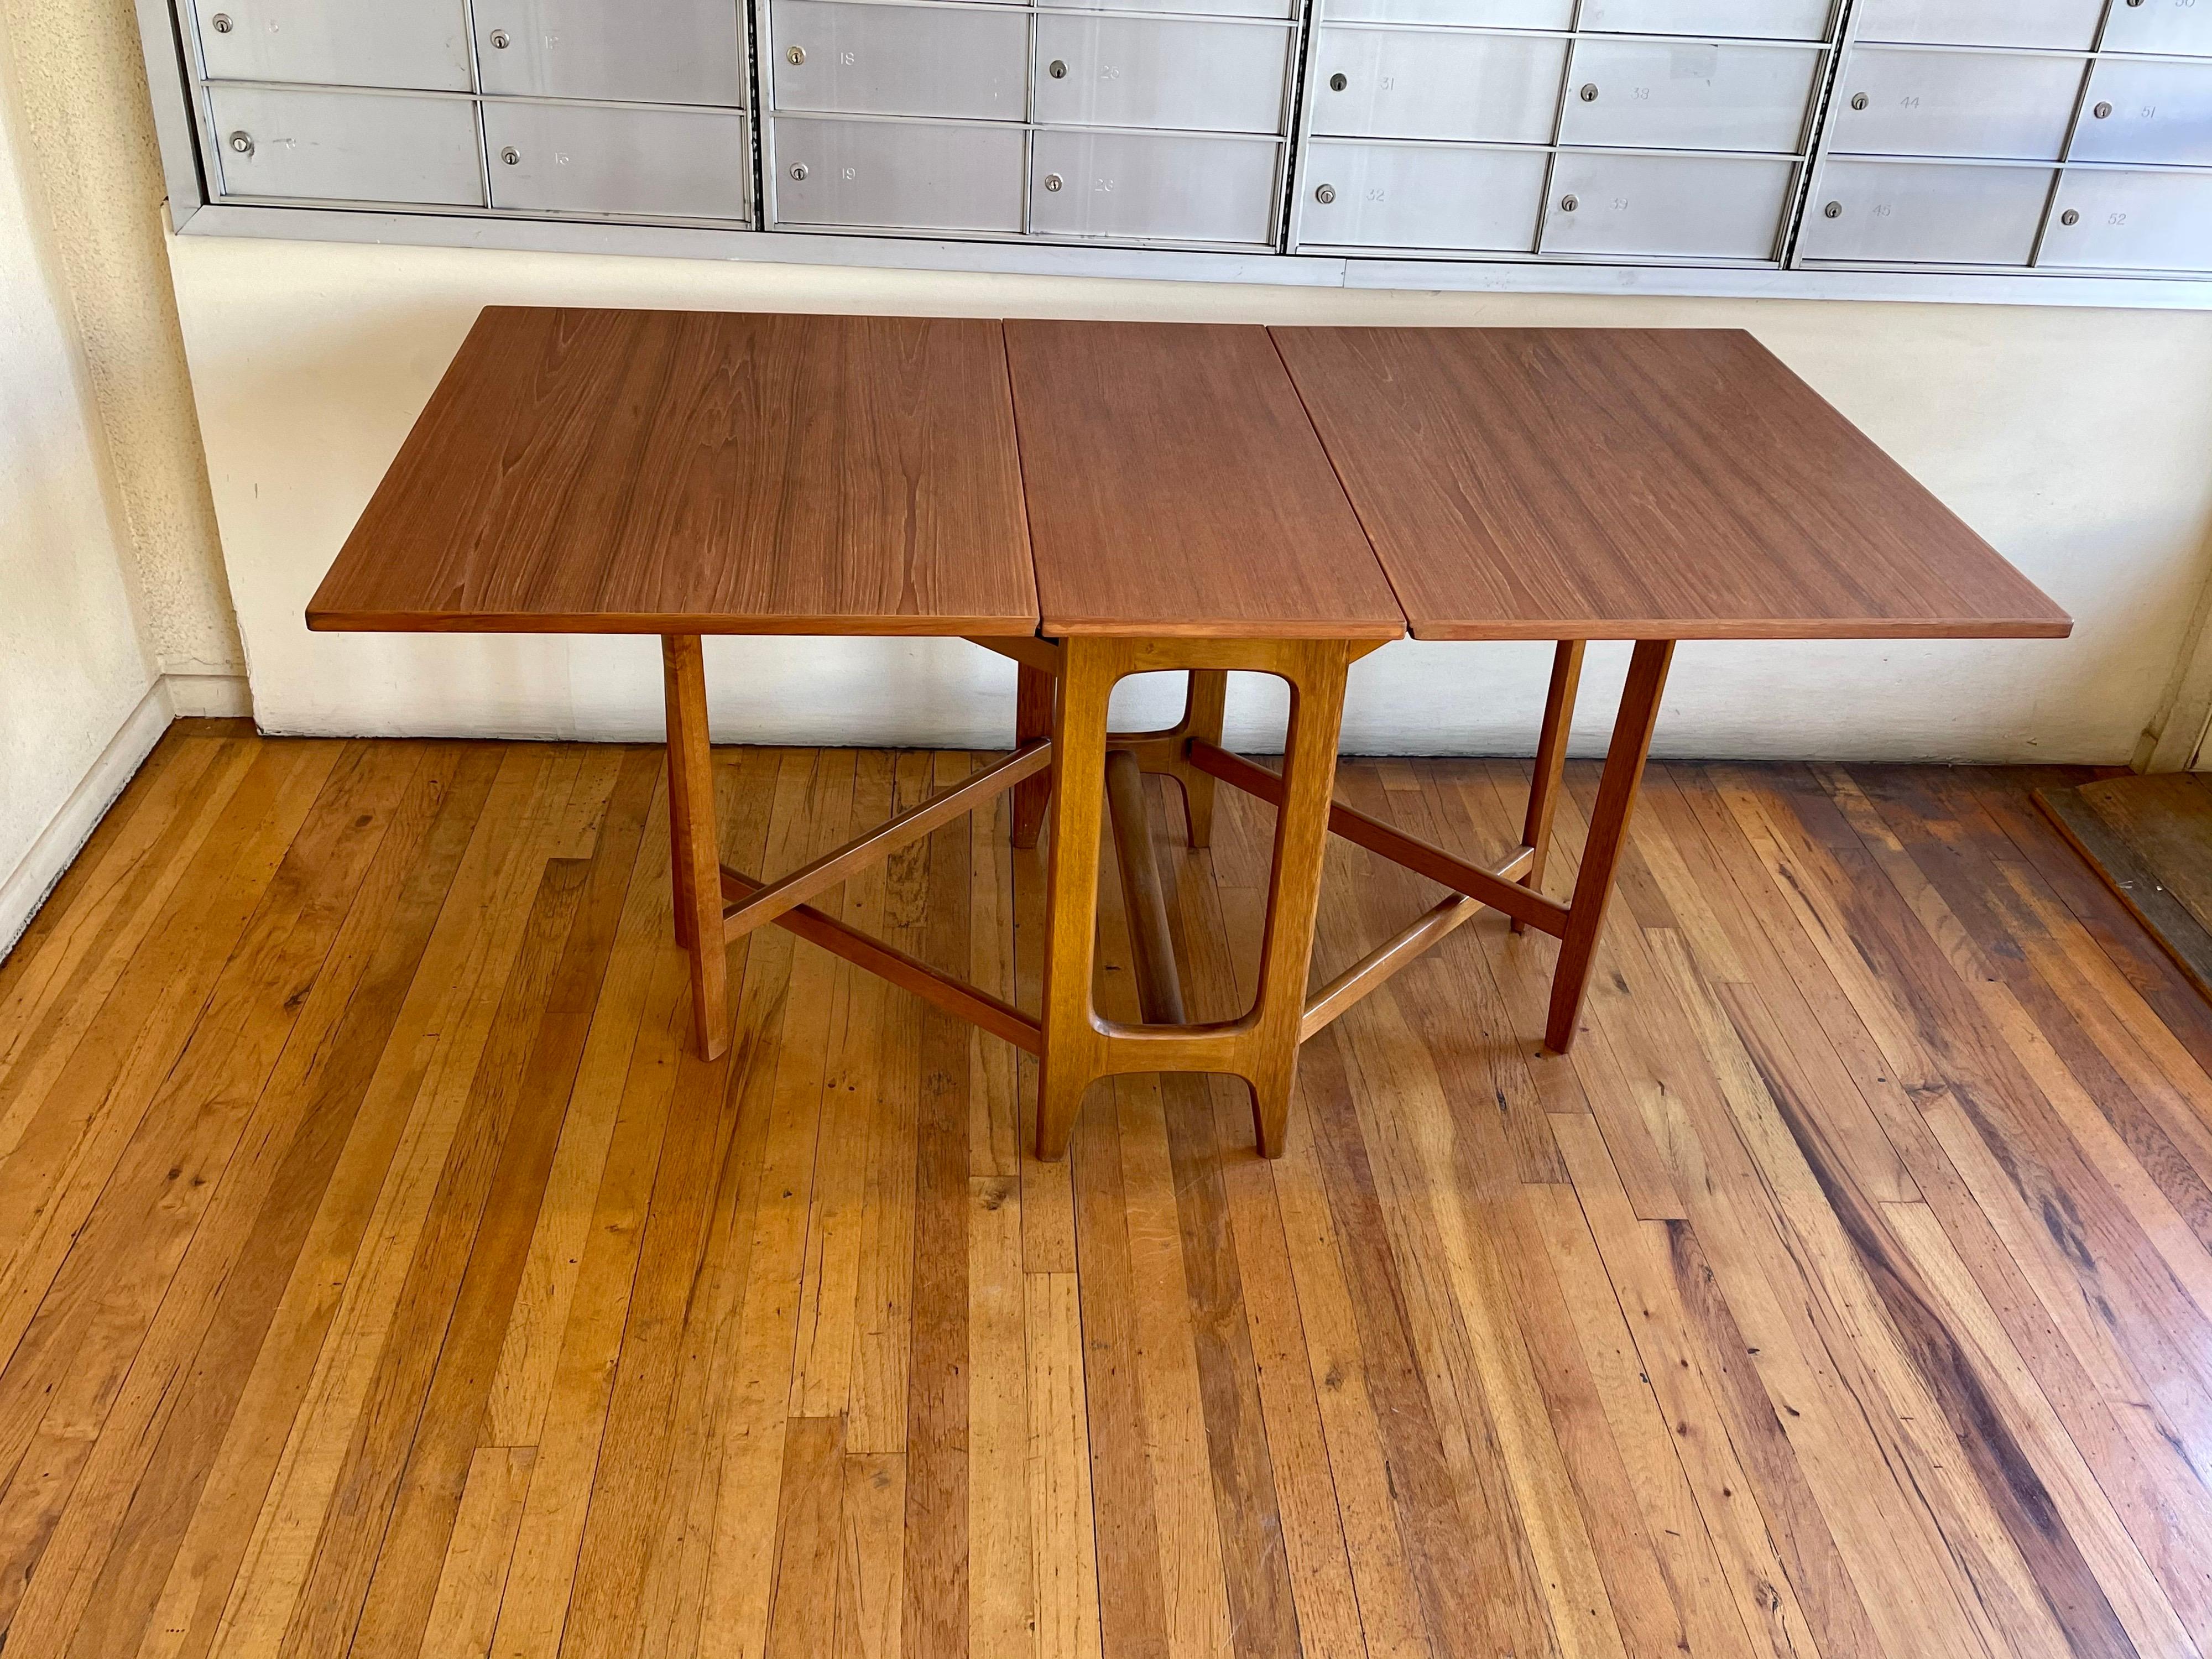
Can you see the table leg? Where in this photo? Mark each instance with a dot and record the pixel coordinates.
(695, 857)
(1203, 706)
(1294, 882)
(1033, 699)
(1608, 834)
(1070, 1040)
(1551, 761)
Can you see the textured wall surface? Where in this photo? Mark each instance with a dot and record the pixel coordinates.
(2076, 440)
(88, 132)
(72, 669)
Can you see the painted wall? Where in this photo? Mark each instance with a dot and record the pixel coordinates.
(2077, 441)
(87, 134)
(72, 670)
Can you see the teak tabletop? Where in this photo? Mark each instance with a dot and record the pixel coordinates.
(1175, 488)
(686, 472)
(1617, 484)
(1201, 500)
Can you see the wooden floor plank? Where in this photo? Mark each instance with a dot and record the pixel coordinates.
(380, 1270)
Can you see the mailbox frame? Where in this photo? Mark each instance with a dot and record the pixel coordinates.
(198, 206)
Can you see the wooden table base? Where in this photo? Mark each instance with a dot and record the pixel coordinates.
(1066, 749)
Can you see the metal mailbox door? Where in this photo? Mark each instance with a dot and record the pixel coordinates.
(420, 43)
(2146, 110)
(1763, 20)
(2062, 25)
(346, 146)
(898, 175)
(1466, 14)
(1688, 94)
(1906, 213)
(653, 52)
(1433, 197)
(2114, 221)
(1421, 84)
(1120, 71)
(1282, 9)
(595, 159)
(2176, 26)
(1892, 100)
(967, 62)
(1696, 207)
(1148, 186)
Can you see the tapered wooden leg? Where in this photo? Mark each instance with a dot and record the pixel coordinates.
(1033, 699)
(1609, 833)
(1551, 761)
(1071, 1037)
(1202, 710)
(1294, 885)
(695, 864)
(1152, 941)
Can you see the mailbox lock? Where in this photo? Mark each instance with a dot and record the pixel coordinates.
(1057, 69)
(1324, 194)
(1052, 181)
(500, 39)
(794, 54)
(242, 143)
(1860, 101)
(221, 22)
(1569, 204)
(798, 169)
(1588, 93)
(2103, 111)
(1338, 82)
(1833, 210)
(512, 156)
(2069, 218)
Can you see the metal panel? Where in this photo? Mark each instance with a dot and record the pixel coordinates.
(2130, 221)
(346, 146)
(1667, 206)
(1688, 94)
(390, 43)
(1123, 71)
(1896, 101)
(972, 62)
(1468, 14)
(1766, 20)
(661, 52)
(2061, 24)
(1911, 213)
(1285, 8)
(1420, 195)
(1418, 84)
(595, 159)
(2183, 25)
(1169, 187)
(2146, 110)
(914, 175)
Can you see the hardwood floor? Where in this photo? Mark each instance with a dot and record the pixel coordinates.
(379, 1271)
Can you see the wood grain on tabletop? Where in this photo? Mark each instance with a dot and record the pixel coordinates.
(658, 471)
(1646, 483)
(1176, 488)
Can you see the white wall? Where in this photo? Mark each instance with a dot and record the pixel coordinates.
(2079, 442)
(80, 700)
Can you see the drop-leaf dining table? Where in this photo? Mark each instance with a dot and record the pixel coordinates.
(1100, 500)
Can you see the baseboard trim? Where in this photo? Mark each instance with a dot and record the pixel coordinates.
(50, 856)
(209, 697)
